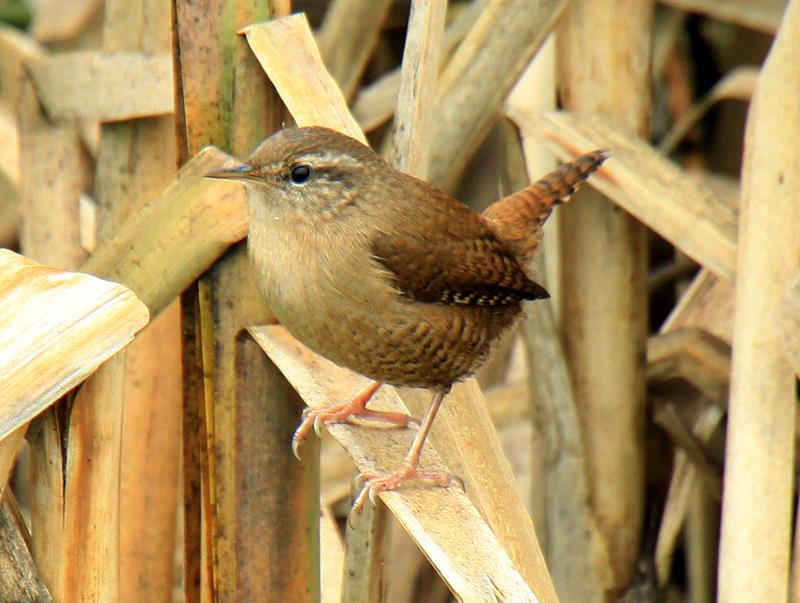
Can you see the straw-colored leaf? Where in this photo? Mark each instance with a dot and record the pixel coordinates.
(57, 328)
(443, 521)
(646, 185)
(331, 550)
(104, 86)
(707, 304)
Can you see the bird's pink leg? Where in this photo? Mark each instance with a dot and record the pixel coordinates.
(342, 413)
(409, 470)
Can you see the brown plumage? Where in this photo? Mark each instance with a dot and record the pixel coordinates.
(382, 272)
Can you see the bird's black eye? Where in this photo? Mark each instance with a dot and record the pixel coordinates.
(300, 174)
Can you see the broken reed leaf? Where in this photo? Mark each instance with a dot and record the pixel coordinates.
(285, 47)
(104, 86)
(58, 327)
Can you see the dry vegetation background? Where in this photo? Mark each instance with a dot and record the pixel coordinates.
(649, 430)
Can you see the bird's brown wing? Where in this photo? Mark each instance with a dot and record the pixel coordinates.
(473, 270)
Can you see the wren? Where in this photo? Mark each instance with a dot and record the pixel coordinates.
(387, 275)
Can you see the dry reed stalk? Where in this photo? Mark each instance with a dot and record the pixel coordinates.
(15, 48)
(507, 406)
(331, 558)
(759, 463)
(195, 451)
(53, 174)
(701, 535)
(566, 525)
(376, 102)
(412, 138)
(264, 515)
(136, 158)
(463, 433)
(90, 562)
(365, 555)
(104, 86)
(443, 521)
(59, 21)
(763, 15)
(347, 37)
(19, 580)
(480, 75)
(683, 483)
(604, 61)
(648, 186)
(286, 45)
(787, 324)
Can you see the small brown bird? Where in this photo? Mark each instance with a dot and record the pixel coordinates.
(387, 275)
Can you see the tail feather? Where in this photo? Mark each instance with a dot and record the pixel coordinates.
(518, 218)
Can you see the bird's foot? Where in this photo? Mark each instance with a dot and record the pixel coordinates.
(353, 411)
(374, 483)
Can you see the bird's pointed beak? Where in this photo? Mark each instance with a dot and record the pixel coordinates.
(242, 171)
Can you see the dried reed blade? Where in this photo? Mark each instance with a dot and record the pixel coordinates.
(49, 352)
(104, 86)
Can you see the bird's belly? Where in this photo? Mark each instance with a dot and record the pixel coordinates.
(375, 331)
(431, 346)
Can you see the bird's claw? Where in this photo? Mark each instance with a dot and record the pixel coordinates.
(318, 425)
(369, 485)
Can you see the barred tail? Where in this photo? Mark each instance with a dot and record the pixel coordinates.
(517, 219)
